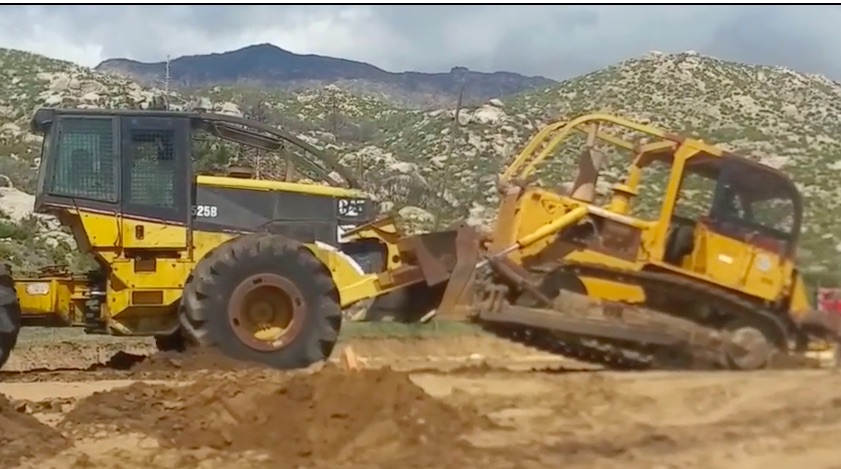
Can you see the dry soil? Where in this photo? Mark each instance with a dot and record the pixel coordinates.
(446, 402)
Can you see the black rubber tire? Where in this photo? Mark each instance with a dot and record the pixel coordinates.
(9, 315)
(174, 342)
(203, 314)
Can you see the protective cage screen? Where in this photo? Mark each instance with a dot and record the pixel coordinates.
(84, 165)
(153, 169)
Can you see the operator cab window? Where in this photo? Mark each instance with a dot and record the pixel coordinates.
(697, 186)
(85, 160)
(155, 157)
(152, 172)
(754, 205)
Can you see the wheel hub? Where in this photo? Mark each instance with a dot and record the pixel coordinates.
(265, 311)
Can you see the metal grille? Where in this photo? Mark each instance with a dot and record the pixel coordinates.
(153, 168)
(84, 165)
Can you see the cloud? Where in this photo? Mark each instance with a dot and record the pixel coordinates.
(557, 41)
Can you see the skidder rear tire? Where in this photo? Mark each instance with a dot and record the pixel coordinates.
(9, 314)
(263, 298)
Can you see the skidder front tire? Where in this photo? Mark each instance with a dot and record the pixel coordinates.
(9, 314)
(263, 298)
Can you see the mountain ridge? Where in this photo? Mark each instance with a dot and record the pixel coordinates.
(268, 65)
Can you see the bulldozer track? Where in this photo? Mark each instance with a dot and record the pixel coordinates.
(631, 355)
(605, 354)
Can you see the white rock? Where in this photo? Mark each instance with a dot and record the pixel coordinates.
(204, 103)
(230, 108)
(53, 100)
(416, 214)
(10, 128)
(488, 115)
(403, 167)
(60, 83)
(90, 86)
(90, 97)
(17, 204)
(464, 117)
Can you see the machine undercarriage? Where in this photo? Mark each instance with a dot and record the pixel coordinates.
(565, 321)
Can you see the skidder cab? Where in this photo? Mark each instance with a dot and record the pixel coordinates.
(705, 253)
(256, 267)
(140, 163)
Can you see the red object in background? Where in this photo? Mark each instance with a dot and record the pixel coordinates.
(829, 300)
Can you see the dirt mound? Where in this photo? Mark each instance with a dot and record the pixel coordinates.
(332, 415)
(23, 436)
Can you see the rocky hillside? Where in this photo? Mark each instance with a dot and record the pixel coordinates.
(412, 160)
(270, 66)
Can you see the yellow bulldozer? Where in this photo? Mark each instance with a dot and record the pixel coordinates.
(705, 275)
(256, 268)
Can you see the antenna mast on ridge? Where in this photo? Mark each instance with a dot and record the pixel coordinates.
(166, 83)
(456, 126)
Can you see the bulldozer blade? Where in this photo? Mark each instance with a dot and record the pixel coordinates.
(447, 261)
(821, 325)
(457, 298)
(409, 304)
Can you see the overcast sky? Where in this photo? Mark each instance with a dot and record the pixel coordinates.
(554, 41)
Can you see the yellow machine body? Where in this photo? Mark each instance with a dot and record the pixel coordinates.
(147, 260)
(723, 268)
(746, 262)
(717, 259)
(143, 292)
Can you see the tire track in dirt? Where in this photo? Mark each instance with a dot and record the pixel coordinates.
(746, 418)
(90, 360)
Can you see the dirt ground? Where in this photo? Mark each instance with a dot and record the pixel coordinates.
(452, 401)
